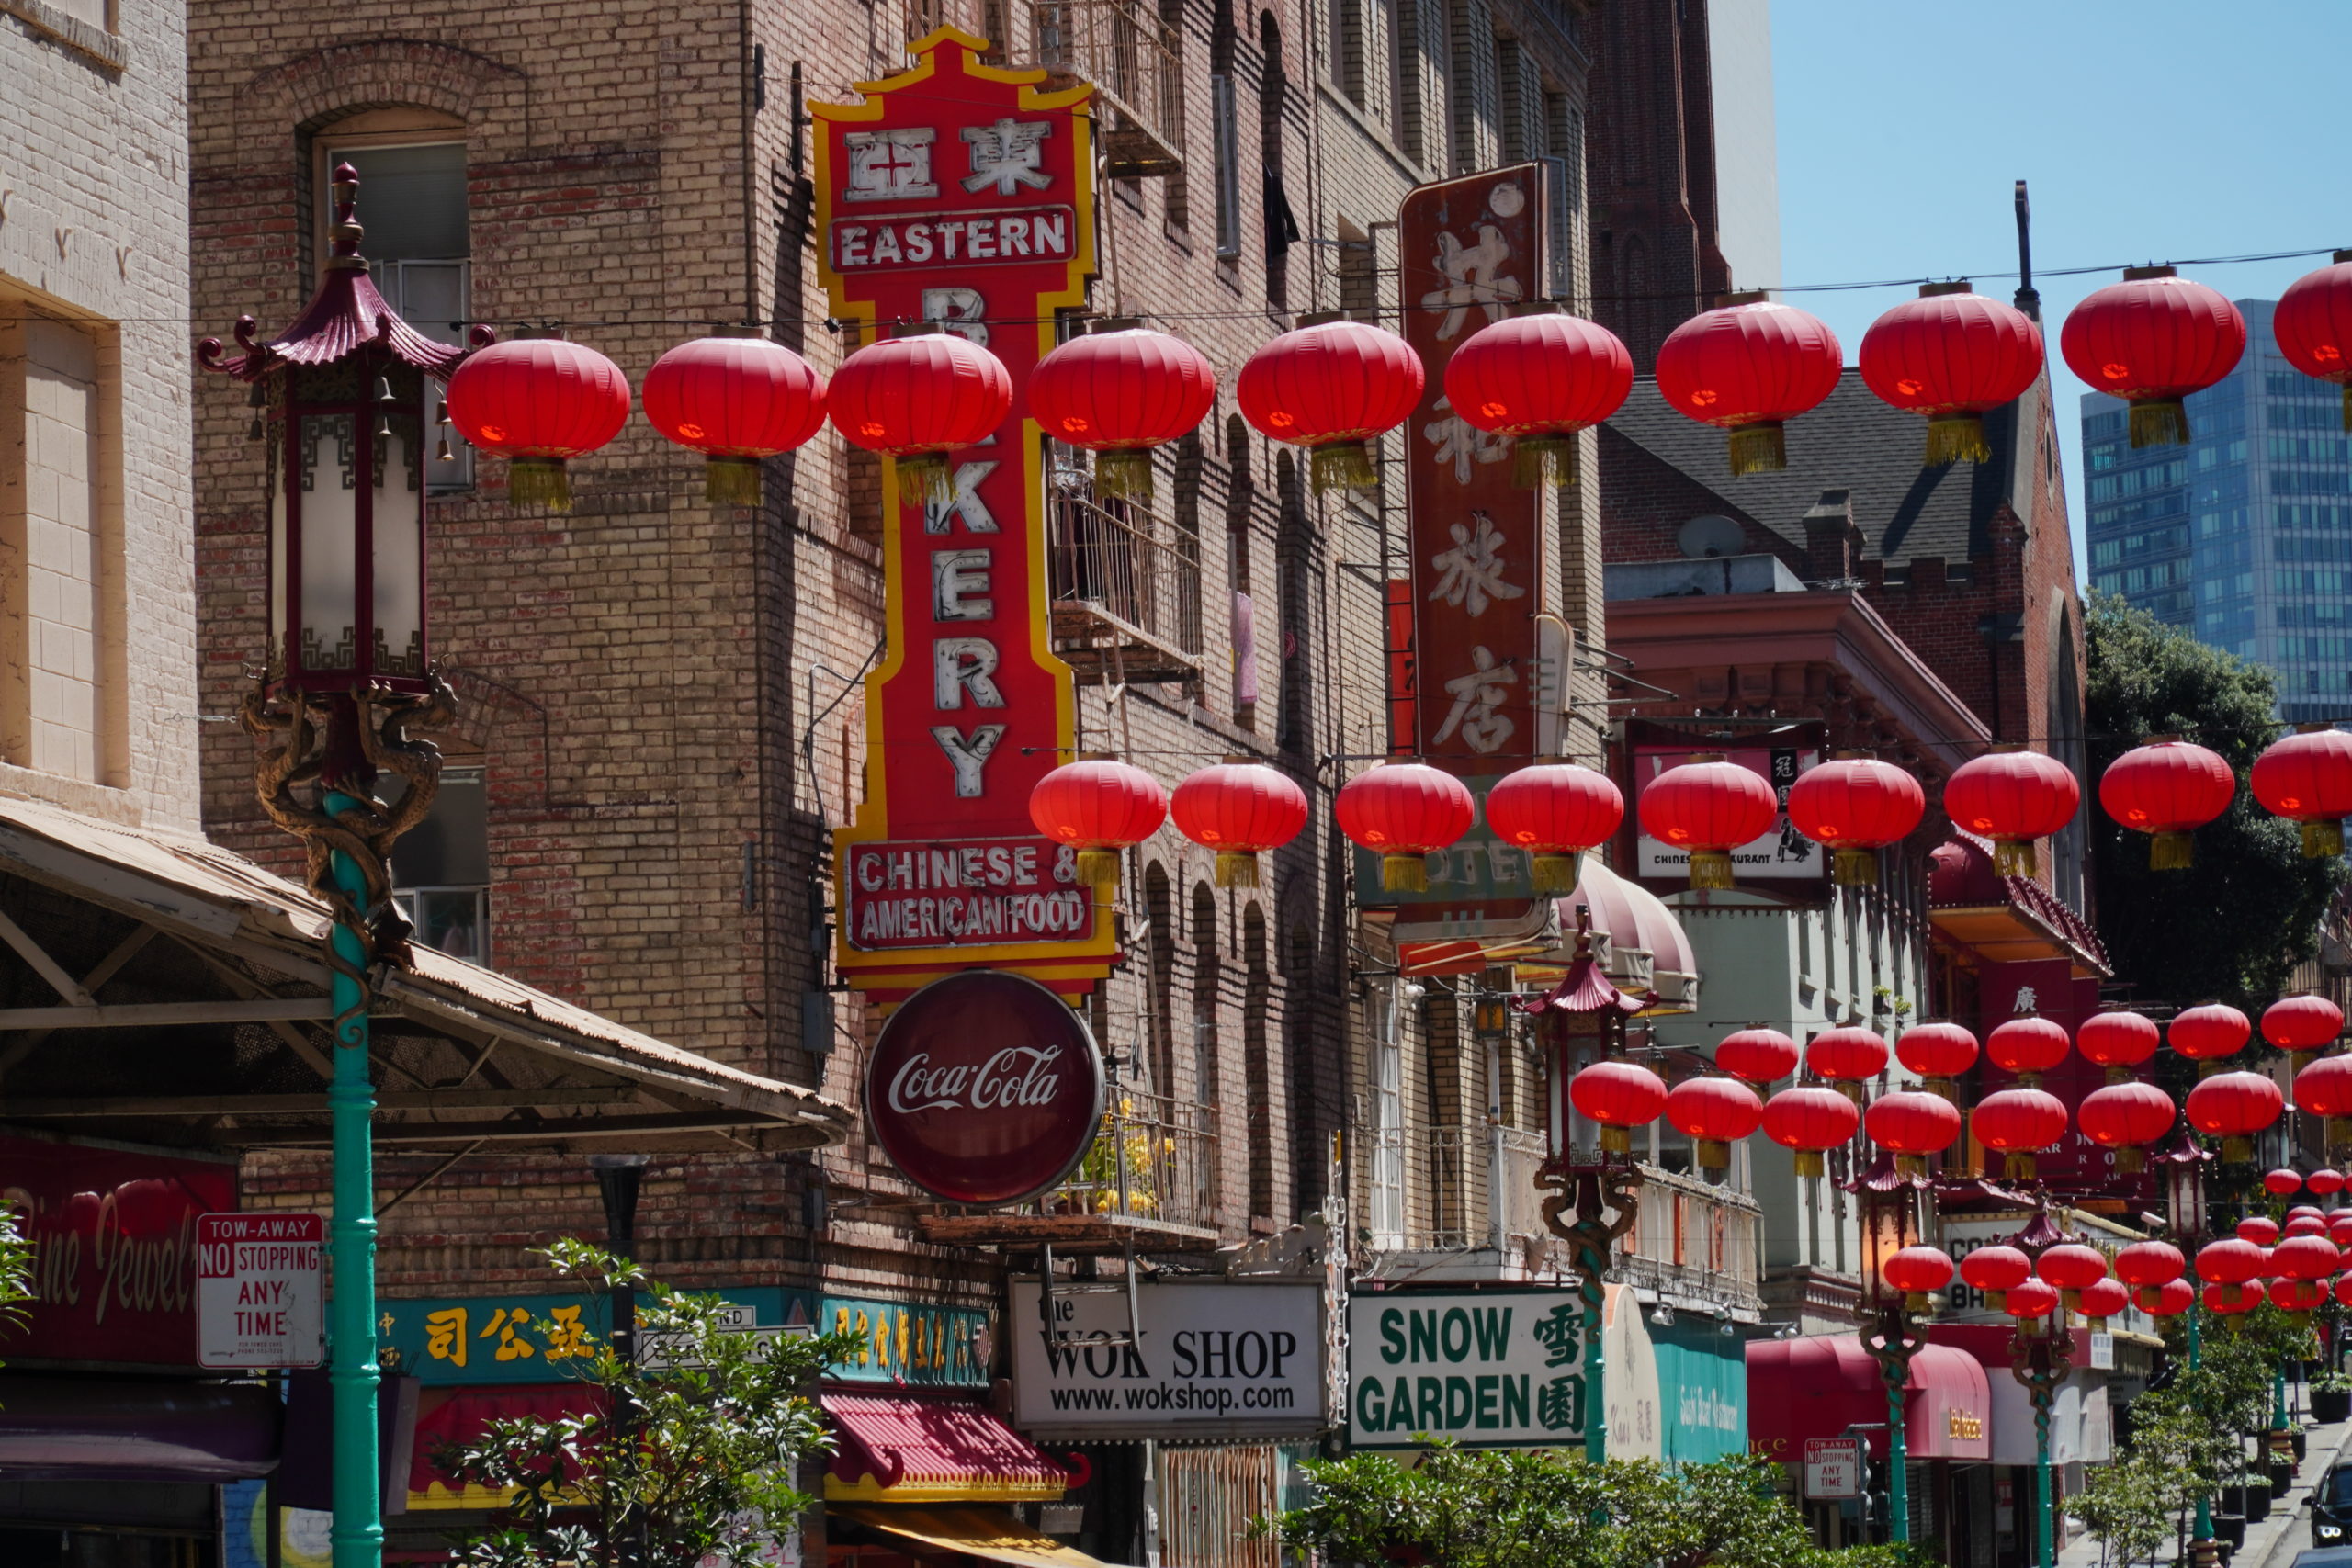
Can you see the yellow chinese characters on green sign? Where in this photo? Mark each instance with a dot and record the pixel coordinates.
(489, 1339)
(911, 1342)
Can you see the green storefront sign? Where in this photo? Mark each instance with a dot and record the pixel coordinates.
(1487, 1368)
(914, 1343)
(475, 1341)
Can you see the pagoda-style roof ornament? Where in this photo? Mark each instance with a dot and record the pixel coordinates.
(1886, 1175)
(346, 315)
(1585, 988)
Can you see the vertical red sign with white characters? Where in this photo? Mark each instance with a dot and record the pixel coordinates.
(961, 195)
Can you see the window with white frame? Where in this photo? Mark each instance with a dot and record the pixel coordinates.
(441, 868)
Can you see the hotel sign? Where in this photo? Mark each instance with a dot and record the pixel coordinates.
(961, 195)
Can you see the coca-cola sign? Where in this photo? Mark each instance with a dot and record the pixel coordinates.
(984, 1089)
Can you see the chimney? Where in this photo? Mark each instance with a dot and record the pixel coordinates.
(1833, 545)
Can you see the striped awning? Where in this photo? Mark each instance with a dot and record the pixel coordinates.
(905, 1448)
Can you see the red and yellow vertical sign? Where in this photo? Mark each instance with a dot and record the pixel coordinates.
(960, 195)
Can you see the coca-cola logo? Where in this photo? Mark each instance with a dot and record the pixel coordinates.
(984, 1089)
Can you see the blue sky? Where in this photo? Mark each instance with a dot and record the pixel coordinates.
(2149, 130)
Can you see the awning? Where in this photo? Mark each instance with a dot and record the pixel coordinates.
(1820, 1385)
(902, 1449)
(462, 1416)
(88, 1430)
(2080, 1422)
(975, 1532)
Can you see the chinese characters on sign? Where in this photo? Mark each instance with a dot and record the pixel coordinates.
(962, 195)
(1781, 854)
(493, 1339)
(911, 1342)
(1491, 1369)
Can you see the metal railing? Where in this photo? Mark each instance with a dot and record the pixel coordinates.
(1126, 566)
(1446, 1189)
(1692, 1239)
(1153, 1159)
(1125, 50)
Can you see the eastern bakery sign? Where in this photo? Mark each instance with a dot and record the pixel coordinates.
(959, 194)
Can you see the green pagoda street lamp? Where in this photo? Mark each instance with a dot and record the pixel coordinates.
(2181, 1165)
(1893, 1203)
(339, 401)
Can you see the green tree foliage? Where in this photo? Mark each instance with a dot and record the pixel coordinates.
(702, 1470)
(15, 1267)
(1465, 1508)
(2232, 925)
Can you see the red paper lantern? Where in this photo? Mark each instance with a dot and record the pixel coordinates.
(537, 401)
(1118, 393)
(2344, 1290)
(2301, 1024)
(2306, 1258)
(2168, 1300)
(1405, 811)
(1758, 1055)
(2167, 788)
(1330, 388)
(2012, 797)
(1555, 811)
(2305, 1224)
(2306, 777)
(2125, 1117)
(2026, 1046)
(2152, 340)
(2231, 1261)
(914, 400)
(2306, 1211)
(2312, 323)
(2102, 1299)
(2297, 1296)
(1747, 368)
(1856, 806)
(1912, 1125)
(2117, 1041)
(1240, 809)
(1709, 807)
(2325, 1088)
(2282, 1184)
(735, 401)
(1809, 1120)
(2209, 1033)
(2230, 1300)
(2269, 1270)
(1620, 1096)
(2073, 1267)
(1918, 1272)
(1539, 380)
(1995, 1270)
(2033, 1299)
(1714, 1113)
(1951, 355)
(1100, 807)
(2324, 1182)
(2258, 1230)
(2145, 1265)
(1846, 1055)
(1937, 1052)
(2339, 1227)
(2017, 1122)
(2233, 1107)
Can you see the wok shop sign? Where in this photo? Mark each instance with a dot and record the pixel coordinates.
(1206, 1361)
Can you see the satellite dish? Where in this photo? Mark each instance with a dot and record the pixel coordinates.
(1704, 538)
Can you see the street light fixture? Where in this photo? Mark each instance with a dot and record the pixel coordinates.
(2181, 1164)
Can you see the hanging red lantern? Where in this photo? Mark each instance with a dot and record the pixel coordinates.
(2102, 1299)
(1847, 1057)
(1709, 807)
(2073, 1267)
(2306, 1258)
(1539, 379)
(2019, 1122)
(2033, 1299)
(2325, 1088)
(1747, 368)
(1758, 1055)
(2234, 1107)
(2012, 797)
(2324, 1182)
(1995, 1270)
(1952, 356)
(1918, 1272)
(2230, 1261)
(2209, 1033)
(2297, 1297)
(2312, 324)
(2306, 1211)
(1119, 391)
(2282, 1184)
(1713, 1114)
(1405, 812)
(735, 401)
(2344, 1290)
(1810, 1120)
(1555, 811)
(2148, 1267)
(1332, 389)
(1620, 1096)
(537, 401)
(2167, 788)
(2230, 1300)
(2257, 1230)
(1098, 807)
(2305, 1224)
(2168, 1300)
(2301, 1025)
(2125, 1117)
(1937, 1052)
(916, 398)
(2118, 1041)
(1856, 806)
(2306, 777)
(1912, 1125)
(2026, 1046)
(2269, 1270)
(2152, 340)
(1240, 809)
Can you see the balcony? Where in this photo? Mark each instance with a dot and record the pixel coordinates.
(1430, 1191)
(1126, 592)
(1150, 1181)
(1693, 1244)
(1131, 58)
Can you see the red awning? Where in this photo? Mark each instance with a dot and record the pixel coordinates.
(902, 1449)
(463, 1414)
(1818, 1386)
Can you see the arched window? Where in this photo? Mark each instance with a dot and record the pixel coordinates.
(1207, 977)
(1258, 1063)
(1161, 915)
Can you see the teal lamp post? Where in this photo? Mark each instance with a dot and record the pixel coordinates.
(2182, 1165)
(339, 404)
(1899, 1275)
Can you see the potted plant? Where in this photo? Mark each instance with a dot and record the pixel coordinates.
(2331, 1395)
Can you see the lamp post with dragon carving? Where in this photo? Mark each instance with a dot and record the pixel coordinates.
(1592, 1195)
(339, 405)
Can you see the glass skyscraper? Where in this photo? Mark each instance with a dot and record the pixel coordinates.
(2244, 536)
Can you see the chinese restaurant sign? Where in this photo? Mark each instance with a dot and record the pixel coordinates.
(1780, 855)
(910, 1342)
(114, 1250)
(1486, 1369)
(475, 1341)
(961, 194)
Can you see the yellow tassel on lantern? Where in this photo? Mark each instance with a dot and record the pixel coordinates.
(1407, 873)
(538, 481)
(1540, 460)
(2236, 1151)
(1616, 1141)
(2322, 839)
(1099, 868)
(2015, 857)
(1342, 464)
(2159, 421)
(1996, 1301)
(1237, 868)
(1943, 1089)
(2017, 1167)
(1555, 872)
(1809, 1162)
(730, 481)
(1916, 1302)
(1710, 868)
(1712, 1153)
(1854, 868)
(1910, 1164)
(1957, 437)
(2131, 1159)
(2348, 405)
(2172, 852)
(1759, 449)
(1125, 474)
(924, 480)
